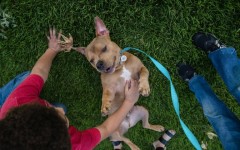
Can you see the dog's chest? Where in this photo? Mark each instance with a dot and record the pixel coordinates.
(125, 74)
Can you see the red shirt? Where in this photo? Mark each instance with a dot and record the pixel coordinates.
(28, 92)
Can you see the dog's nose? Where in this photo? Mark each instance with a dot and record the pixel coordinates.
(100, 65)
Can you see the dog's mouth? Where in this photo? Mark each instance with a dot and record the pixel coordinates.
(110, 69)
(102, 67)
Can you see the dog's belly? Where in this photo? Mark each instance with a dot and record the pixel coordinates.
(123, 75)
(132, 118)
(135, 115)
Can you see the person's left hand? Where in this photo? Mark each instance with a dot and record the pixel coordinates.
(53, 40)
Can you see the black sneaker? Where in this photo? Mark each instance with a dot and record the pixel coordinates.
(207, 42)
(185, 71)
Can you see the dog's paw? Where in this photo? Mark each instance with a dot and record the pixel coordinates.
(105, 108)
(144, 88)
(135, 148)
(158, 128)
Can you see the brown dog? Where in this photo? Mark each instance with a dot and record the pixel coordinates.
(115, 69)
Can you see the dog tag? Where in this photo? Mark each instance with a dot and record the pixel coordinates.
(123, 58)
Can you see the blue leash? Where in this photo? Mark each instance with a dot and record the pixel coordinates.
(174, 96)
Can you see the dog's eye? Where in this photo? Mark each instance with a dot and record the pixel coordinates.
(104, 49)
(92, 60)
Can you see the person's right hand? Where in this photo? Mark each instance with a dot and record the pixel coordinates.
(54, 40)
(131, 91)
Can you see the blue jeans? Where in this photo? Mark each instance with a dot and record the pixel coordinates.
(6, 90)
(227, 64)
(11, 85)
(223, 120)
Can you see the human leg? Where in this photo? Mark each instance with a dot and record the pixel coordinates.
(6, 90)
(224, 122)
(11, 85)
(223, 58)
(227, 64)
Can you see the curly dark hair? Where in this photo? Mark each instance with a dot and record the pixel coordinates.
(34, 127)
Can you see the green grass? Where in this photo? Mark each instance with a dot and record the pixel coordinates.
(163, 29)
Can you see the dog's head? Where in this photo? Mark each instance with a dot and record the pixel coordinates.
(102, 53)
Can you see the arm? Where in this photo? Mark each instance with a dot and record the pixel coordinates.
(44, 63)
(113, 121)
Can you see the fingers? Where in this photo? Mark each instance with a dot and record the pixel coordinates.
(131, 84)
(126, 85)
(131, 91)
(59, 35)
(50, 32)
(53, 32)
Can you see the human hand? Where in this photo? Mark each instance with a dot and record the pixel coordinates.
(53, 40)
(131, 91)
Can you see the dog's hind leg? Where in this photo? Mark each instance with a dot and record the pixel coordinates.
(130, 143)
(145, 122)
(117, 138)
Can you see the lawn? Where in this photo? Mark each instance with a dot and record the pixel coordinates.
(163, 29)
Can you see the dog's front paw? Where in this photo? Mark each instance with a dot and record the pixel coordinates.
(144, 88)
(105, 108)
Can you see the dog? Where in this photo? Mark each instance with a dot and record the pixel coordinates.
(115, 68)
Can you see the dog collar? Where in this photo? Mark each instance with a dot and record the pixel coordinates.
(122, 59)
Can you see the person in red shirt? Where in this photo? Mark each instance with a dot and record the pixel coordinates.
(30, 123)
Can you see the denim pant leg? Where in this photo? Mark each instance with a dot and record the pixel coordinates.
(11, 85)
(227, 64)
(224, 122)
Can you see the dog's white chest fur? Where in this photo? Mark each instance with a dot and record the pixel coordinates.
(126, 74)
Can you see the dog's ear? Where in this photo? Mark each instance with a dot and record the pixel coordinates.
(81, 50)
(100, 27)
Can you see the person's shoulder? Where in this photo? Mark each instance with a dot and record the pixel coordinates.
(93, 131)
(86, 139)
(33, 81)
(35, 77)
